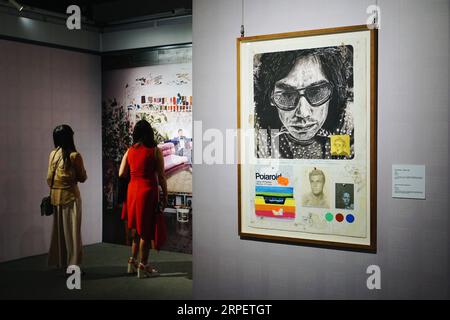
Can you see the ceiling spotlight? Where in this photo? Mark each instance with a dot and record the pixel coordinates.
(15, 4)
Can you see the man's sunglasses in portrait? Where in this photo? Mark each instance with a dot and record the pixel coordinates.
(316, 95)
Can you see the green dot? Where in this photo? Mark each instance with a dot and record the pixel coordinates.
(329, 216)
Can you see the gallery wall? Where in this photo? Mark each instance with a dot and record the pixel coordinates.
(42, 87)
(413, 121)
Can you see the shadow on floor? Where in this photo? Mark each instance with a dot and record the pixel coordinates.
(105, 277)
(166, 269)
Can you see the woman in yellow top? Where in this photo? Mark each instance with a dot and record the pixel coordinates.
(67, 165)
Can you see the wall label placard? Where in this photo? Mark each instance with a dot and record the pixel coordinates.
(408, 181)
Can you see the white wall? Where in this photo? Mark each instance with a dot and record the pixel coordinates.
(413, 116)
(40, 88)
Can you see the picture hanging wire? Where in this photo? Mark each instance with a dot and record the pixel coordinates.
(242, 21)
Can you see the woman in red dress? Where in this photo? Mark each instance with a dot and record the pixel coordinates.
(144, 162)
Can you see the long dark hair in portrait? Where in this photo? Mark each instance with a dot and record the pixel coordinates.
(143, 134)
(337, 66)
(63, 138)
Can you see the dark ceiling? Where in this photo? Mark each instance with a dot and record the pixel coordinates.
(105, 12)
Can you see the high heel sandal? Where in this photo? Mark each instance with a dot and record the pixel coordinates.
(146, 271)
(132, 265)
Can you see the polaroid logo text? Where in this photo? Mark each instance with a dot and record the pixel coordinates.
(267, 176)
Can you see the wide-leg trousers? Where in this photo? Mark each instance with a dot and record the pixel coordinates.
(66, 247)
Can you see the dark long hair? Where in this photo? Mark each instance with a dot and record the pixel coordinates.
(63, 138)
(143, 134)
(336, 64)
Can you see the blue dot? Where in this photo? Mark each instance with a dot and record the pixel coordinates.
(350, 218)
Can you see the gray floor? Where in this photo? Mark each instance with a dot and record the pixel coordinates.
(105, 277)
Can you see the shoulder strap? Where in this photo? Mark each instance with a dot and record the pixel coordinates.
(56, 167)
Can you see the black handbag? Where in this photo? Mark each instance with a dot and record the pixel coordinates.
(47, 208)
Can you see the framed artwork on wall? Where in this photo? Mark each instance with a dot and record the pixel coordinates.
(307, 119)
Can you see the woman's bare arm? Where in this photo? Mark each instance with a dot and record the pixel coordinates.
(124, 167)
(161, 176)
(80, 171)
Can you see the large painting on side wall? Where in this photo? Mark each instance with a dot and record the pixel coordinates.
(307, 119)
(160, 94)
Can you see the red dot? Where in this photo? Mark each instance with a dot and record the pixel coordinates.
(339, 217)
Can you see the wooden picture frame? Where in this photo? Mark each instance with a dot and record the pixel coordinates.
(307, 119)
